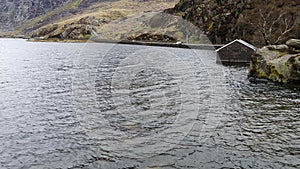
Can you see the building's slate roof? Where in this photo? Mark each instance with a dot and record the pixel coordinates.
(240, 41)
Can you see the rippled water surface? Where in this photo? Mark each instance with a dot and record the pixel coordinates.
(119, 106)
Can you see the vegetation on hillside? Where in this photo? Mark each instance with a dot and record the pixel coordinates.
(88, 17)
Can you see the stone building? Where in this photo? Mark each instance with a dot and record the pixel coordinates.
(237, 51)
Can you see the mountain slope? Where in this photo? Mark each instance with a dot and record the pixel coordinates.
(14, 13)
(95, 16)
(66, 16)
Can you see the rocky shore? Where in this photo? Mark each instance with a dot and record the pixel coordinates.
(278, 63)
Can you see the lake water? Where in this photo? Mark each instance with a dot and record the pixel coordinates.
(94, 105)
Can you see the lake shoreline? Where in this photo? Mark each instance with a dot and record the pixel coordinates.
(129, 42)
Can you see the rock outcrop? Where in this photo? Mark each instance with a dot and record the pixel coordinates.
(276, 63)
(294, 44)
(147, 37)
(82, 29)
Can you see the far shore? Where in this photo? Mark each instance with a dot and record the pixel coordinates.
(133, 42)
(129, 42)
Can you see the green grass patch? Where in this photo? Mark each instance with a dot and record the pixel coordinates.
(87, 36)
(75, 4)
(280, 54)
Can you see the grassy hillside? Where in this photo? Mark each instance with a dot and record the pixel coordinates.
(79, 18)
(151, 26)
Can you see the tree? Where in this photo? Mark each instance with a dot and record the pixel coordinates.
(274, 27)
(272, 21)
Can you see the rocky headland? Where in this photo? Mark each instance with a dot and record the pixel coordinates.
(278, 63)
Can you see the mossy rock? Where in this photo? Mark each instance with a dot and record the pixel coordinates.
(276, 66)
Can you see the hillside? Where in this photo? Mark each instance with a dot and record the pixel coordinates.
(69, 19)
(152, 27)
(99, 15)
(14, 13)
(260, 22)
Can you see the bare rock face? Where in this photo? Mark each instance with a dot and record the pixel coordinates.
(276, 65)
(14, 13)
(216, 18)
(74, 31)
(226, 20)
(92, 20)
(79, 30)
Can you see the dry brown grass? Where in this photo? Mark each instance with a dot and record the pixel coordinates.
(115, 10)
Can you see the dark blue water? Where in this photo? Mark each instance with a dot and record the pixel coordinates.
(91, 105)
